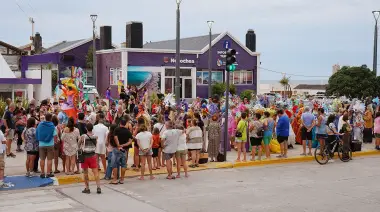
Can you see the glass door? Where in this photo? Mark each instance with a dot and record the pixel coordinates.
(187, 88)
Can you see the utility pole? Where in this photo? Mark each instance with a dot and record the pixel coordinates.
(376, 15)
(178, 57)
(210, 58)
(31, 20)
(94, 64)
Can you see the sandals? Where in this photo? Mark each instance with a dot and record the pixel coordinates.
(170, 178)
(114, 183)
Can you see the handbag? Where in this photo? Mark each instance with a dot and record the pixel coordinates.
(80, 153)
(239, 134)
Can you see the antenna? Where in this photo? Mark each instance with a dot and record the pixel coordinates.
(31, 20)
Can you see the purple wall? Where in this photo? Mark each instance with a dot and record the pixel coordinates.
(105, 62)
(158, 59)
(41, 58)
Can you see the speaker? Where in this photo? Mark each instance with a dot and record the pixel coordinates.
(105, 37)
(134, 35)
(250, 40)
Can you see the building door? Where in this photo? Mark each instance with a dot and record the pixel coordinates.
(187, 88)
(186, 84)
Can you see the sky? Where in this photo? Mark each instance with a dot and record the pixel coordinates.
(299, 37)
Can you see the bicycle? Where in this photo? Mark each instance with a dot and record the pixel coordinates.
(323, 156)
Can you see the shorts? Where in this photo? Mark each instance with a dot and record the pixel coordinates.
(321, 136)
(11, 134)
(377, 135)
(305, 135)
(46, 152)
(118, 159)
(255, 141)
(32, 152)
(89, 163)
(181, 153)
(2, 161)
(281, 139)
(267, 139)
(149, 153)
(168, 156)
(155, 152)
(239, 140)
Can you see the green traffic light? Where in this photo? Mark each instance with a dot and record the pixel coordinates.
(231, 67)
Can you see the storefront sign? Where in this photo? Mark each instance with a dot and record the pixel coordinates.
(173, 60)
(222, 53)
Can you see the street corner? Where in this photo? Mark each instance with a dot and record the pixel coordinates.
(366, 153)
(69, 179)
(224, 165)
(22, 182)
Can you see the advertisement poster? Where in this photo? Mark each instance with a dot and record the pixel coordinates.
(148, 77)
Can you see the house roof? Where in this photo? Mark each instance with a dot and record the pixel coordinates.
(311, 87)
(191, 43)
(62, 45)
(14, 48)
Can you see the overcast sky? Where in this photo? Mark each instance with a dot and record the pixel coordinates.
(294, 36)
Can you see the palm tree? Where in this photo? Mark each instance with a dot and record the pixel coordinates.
(285, 83)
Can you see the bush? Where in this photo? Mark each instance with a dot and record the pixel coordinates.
(220, 88)
(246, 94)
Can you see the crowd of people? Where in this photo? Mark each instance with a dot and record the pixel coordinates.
(162, 136)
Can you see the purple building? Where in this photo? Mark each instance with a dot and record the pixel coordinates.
(155, 63)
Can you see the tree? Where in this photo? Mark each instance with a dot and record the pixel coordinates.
(220, 88)
(353, 82)
(285, 83)
(89, 57)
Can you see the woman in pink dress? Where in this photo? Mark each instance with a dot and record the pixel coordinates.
(232, 128)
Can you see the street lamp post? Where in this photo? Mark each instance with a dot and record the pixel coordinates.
(94, 71)
(177, 62)
(209, 23)
(376, 15)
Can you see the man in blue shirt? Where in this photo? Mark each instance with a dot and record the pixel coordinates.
(307, 124)
(282, 130)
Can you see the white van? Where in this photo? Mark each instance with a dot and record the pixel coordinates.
(91, 91)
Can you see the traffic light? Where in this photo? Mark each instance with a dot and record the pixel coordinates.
(230, 60)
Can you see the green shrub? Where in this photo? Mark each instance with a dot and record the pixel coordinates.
(220, 88)
(246, 94)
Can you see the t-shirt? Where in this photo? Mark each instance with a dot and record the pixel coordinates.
(330, 128)
(63, 118)
(101, 132)
(123, 135)
(160, 127)
(144, 138)
(82, 128)
(257, 125)
(8, 116)
(51, 143)
(156, 141)
(181, 141)
(282, 128)
(171, 141)
(307, 119)
(2, 146)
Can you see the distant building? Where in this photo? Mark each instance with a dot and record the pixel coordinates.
(335, 68)
(310, 89)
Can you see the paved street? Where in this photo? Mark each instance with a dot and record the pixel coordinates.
(334, 187)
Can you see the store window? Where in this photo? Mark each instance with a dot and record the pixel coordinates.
(116, 74)
(241, 77)
(183, 72)
(202, 77)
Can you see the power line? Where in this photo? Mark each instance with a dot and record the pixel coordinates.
(296, 75)
(18, 5)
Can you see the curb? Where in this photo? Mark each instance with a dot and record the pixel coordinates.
(65, 180)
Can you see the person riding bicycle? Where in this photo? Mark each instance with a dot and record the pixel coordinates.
(332, 131)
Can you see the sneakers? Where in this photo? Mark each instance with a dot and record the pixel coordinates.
(86, 191)
(50, 175)
(98, 190)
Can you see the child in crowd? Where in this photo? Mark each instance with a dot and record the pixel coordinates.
(156, 145)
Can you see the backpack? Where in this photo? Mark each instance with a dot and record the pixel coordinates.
(260, 132)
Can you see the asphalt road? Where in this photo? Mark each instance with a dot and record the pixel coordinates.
(335, 187)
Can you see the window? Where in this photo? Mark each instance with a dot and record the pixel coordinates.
(202, 77)
(183, 72)
(116, 74)
(241, 77)
(88, 79)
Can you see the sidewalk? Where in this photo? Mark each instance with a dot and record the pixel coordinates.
(16, 166)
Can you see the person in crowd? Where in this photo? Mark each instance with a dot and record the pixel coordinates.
(155, 148)
(9, 128)
(57, 145)
(111, 113)
(256, 133)
(368, 124)
(307, 125)
(346, 131)
(377, 130)
(111, 145)
(214, 135)
(145, 142)
(47, 136)
(321, 127)
(70, 138)
(123, 140)
(181, 152)
(161, 126)
(101, 132)
(91, 115)
(118, 116)
(282, 130)
(31, 145)
(169, 144)
(242, 138)
(331, 131)
(268, 126)
(20, 123)
(195, 142)
(88, 144)
(3, 142)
